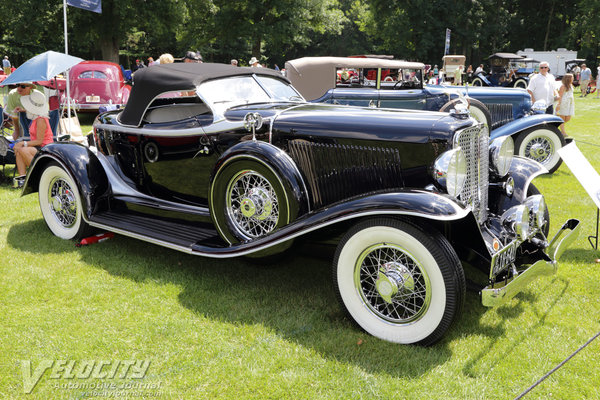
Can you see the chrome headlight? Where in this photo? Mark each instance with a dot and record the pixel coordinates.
(537, 205)
(450, 171)
(502, 151)
(516, 220)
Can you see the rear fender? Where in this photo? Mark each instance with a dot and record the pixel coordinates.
(519, 125)
(81, 163)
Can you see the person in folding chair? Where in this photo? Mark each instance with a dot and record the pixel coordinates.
(40, 133)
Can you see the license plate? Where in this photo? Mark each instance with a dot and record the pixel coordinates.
(503, 258)
(92, 99)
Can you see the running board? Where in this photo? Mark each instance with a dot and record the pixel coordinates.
(176, 234)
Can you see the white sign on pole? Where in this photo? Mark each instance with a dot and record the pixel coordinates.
(583, 170)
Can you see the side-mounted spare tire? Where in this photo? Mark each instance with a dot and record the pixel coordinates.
(477, 109)
(256, 188)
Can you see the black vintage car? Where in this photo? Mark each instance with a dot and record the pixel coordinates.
(220, 161)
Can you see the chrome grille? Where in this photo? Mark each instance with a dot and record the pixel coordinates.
(501, 114)
(474, 143)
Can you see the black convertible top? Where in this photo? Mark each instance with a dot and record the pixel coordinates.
(148, 83)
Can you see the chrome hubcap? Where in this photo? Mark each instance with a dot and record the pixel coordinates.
(257, 205)
(394, 278)
(392, 283)
(252, 206)
(62, 202)
(539, 149)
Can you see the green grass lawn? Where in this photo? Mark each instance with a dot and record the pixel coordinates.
(225, 329)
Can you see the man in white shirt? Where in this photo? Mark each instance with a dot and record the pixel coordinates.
(541, 87)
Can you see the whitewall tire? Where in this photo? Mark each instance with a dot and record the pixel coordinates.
(60, 204)
(398, 281)
(541, 144)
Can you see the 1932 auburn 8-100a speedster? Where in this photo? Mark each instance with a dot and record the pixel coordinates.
(220, 161)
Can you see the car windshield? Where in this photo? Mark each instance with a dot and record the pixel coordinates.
(225, 93)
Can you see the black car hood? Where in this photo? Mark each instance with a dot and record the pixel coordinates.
(326, 120)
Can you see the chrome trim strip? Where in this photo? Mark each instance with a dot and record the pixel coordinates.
(150, 132)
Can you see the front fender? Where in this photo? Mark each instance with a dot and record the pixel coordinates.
(416, 203)
(81, 163)
(523, 171)
(519, 125)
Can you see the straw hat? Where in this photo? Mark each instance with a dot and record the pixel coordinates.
(35, 103)
(252, 60)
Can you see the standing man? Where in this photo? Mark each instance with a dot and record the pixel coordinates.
(541, 87)
(6, 65)
(586, 76)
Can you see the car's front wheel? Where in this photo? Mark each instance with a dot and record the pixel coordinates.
(248, 201)
(400, 282)
(541, 144)
(477, 82)
(60, 203)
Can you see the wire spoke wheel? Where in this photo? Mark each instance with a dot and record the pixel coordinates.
(63, 204)
(60, 203)
(252, 204)
(392, 283)
(398, 280)
(541, 144)
(248, 200)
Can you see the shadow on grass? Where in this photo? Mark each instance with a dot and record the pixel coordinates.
(295, 300)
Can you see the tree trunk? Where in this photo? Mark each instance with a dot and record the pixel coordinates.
(548, 27)
(110, 49)
(256, 47)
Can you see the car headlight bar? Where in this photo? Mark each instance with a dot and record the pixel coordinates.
(450, 171)
(501, 155)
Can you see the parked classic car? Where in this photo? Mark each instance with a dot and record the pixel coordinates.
(400, 85)
(236, 163)
(94, 84)
(505, 72)
(450, 63)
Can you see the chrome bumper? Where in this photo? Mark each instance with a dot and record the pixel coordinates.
(499, 293)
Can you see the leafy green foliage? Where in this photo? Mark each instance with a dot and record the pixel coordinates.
(279, 30)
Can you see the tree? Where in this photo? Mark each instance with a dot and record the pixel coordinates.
(274, 24)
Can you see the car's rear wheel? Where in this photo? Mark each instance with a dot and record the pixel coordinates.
(521, 83)
(399, 281)
(248, 200)
(477, 109)
(541, 144)
(61, 205)
(477, 82)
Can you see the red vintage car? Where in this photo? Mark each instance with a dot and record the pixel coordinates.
(94, 84)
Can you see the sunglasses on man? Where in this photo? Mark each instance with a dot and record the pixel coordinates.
(23, 86)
